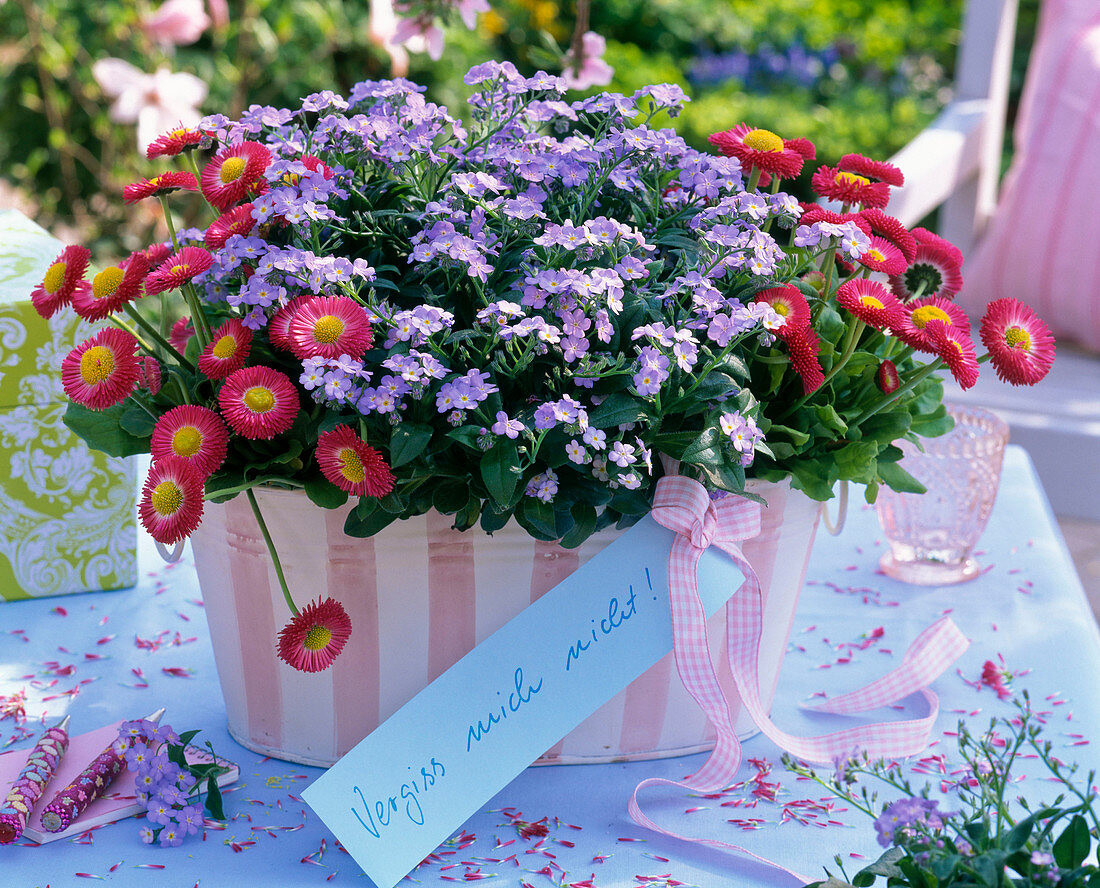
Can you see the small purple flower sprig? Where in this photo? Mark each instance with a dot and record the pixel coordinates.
(170, 787)
(996, 837)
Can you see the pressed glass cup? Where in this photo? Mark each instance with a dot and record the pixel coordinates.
(931, 535)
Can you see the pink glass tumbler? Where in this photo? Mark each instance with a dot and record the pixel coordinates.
(931, 535)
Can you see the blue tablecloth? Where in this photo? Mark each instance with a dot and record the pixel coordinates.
(115, 655)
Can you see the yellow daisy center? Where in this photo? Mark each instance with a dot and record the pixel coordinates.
(871, 302)
(874, 254)
(106, 283)
(351, 466)
(259, 399)
(97, 364)
(317, 638)
(187, 441)
(232, 169)
(155, 182)
(178, 269)
(225, 347)
(781, 309)
(178, 134)
(763, 140)
(327, 329)
(55, 277)
(1018, 337)
(927, 313)
(167, 498)
(843, 178)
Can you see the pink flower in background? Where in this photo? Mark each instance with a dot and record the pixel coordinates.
(382, 28)
(469, 9)
(420, 33)
(155, 102)
(176, 22)
(593, 70)
(219, 12)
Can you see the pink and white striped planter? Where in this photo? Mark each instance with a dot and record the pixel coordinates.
(421, 595)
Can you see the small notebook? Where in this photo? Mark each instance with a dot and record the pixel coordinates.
(118, 802)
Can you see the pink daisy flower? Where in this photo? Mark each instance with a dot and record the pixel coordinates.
(847, 187)
(233, 173)
(102, 370)
(149, 374)
(165, 183)
(258, 402)
(178, 269)
(235, 221)
(872, 169)
(351, 464)
(813, 212)
(175, 142)
(887, 377)
(804, 346)
(891, 229)
(954, 347)
(180, 334)
(329, 326)
(762, 149)
(883, 256)
(227, 350)
(195, 434)
(112, 288)
(278, 328)
(789, 303)
(155, 254)
(913, 329)
(935, 270)
(1020, 345)
(315, 636)
(171, 500)
(61, 281)
(871, 302)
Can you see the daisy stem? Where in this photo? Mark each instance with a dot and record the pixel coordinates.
(271, 550)
(754, 178)
(122, 325)
(849, 348)
(925, 371)
(135, 315)
(163, 198)
(189, 156)
(198, 318)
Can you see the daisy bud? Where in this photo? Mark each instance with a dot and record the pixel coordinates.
(888, 379)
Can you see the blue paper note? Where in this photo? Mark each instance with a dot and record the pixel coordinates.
(419, 776)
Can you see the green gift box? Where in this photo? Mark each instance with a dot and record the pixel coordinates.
(67, 513)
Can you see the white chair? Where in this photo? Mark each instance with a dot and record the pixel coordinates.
(954, 165)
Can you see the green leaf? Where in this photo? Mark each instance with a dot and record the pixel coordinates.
(358, 525)
(705, 449)
(1015, 838)
(1072, 846)
(493, 521)
(617, 409)
(886, 865)
(886, 427)
(537, 518)
(501, 472)
(715, 386)
(798, 438)
(324, 493)
(102, 430)
(407, 442)
(584, 522)
(137, 421)
(214, 799)
(630, 502)
(894, 476)
(187, 736)
(450, 497)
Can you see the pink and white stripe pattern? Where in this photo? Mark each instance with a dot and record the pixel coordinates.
(683, 505)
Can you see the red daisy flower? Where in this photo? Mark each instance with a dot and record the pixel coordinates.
(872, 169)
(181, 334)
(62, 279)
(175, 142)
(278, 327)
(812, 212)
(913, 329)
(883, 256)
(149, 374)
(935, 270)
(102, 370)
(804, 345)
(353, 465)
(178, 269)
(315, 636)
(165, 183)
(171, 500)
(112, 288)
(155, 254)
(954, 347)
(802, 146)
(1020, 345)
(760, 149)
(258, 402)
(195, 434)
(891, 229)
(887, 377)
(329, 326)
(236, 221)
(227, 350)
(789, 303)
(233, 172)
(847, 187)
(871, 302)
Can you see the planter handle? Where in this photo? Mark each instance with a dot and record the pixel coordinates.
(172, 556)
(836, 527)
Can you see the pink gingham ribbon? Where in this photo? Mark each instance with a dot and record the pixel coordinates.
(684, 506)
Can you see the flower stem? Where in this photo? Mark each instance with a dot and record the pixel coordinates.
(271, 550)
(925, 371)
(160, 340)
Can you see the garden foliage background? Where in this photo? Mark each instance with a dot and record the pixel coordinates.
(851, 75)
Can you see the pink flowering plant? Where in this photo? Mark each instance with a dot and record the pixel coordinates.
(512, 318)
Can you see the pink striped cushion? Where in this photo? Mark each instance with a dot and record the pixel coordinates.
(1041, 246)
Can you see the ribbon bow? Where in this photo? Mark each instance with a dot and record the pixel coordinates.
(684, 506)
